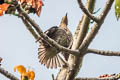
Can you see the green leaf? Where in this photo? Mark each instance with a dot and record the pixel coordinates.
(117, 9)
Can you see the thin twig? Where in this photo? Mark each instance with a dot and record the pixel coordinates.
(96, 78)
(108, 77)
(0, 60)
(106, 10)
(8, 75)
(90, 15)
(53, 78)
(103, 52)
(29, 27)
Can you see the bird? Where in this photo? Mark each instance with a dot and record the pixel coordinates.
(48, 54)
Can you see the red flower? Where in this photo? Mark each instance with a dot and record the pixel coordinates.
(36, 4)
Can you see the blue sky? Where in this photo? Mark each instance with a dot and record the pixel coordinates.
(17, 45)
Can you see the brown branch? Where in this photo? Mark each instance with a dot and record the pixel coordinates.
(113, 78)
(91, 35)
(84, 24)
(0, 60)
(29, 27)
(103, 52)
(102, 77)
(8, 75)
(53, 78)
(86, 11)
(45, 37)
(106, 10)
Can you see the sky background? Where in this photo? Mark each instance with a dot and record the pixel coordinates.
(17, 45)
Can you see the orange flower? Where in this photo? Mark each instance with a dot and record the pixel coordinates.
(3, 8)
(25, 75)
(31, 74)
(1, 12)
(21, 69)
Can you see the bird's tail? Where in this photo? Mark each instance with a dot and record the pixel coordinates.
(49, 57)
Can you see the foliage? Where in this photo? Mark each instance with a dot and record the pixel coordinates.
(117, 9)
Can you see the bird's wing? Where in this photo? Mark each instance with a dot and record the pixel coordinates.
(47, 54)
(51, 31)
(46, 57)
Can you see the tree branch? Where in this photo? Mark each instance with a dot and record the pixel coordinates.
(86, 11)
(84, 24)
(8, 75)
(103, 77)
(0, 61)
(53, 78)
(103, 52)
(106, 10)
(29, 27)
(113, 78)
(91, 35)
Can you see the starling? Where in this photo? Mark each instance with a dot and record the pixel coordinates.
(48, 54)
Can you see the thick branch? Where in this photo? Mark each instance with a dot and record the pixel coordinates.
(103, 52)
(86, 11)
(8, 75)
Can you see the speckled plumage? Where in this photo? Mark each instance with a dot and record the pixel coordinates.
(47, 54)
